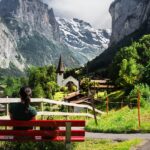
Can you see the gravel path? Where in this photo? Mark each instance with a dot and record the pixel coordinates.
(118, 137)
(121, 137)
(144, 146)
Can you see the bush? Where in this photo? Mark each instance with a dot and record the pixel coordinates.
(73, 88)
(32, 146)
(64, 89)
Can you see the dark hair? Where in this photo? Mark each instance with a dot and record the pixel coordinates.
(25, 93)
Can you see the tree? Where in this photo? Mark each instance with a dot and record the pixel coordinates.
(124, 53)
(38, 91)
(129, 72)
(131, 64)
(52, 88)
(45, 77)
(86, 84)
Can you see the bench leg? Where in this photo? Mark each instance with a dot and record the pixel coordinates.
(68, 136)
(68, 146)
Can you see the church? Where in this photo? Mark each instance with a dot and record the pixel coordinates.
(69, 81)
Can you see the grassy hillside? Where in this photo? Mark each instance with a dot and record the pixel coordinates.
(123, 121)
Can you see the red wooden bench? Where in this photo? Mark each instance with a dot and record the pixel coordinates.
(51, 130)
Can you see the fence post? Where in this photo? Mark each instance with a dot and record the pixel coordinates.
(122, 104)
(7, 108)
(42, 107)
(87, 112)
(138, 105)
(107, 105)
(68, 136)
(130, 104)
(94, 113)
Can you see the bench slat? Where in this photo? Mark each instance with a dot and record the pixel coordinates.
(45, 133)
(42, 123)
(40, 132)
(55, 139)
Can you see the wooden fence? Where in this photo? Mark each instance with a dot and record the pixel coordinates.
(7, 101)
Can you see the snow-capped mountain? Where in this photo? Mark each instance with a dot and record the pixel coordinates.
(85, 41)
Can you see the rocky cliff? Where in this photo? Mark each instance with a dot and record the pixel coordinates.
(127, 17)
(24, 17)
(30, 36)
(8, 50)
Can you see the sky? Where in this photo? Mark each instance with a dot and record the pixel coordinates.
(96, 12)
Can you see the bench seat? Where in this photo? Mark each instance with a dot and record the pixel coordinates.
(51, 130)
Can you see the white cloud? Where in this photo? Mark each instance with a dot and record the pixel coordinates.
(95, 12)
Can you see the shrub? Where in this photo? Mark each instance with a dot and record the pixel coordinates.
(73, 88)
(64, 89)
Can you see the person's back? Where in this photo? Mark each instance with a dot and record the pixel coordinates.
(17, 111)
(22, 110)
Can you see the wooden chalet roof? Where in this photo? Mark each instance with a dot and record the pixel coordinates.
(104, 86)
(71, 95)
(78, 98)
(100, 81)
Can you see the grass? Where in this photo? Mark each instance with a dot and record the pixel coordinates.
(95, 144)
(122, 121)
(99, 144)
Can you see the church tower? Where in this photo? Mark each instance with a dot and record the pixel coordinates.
(60, 72)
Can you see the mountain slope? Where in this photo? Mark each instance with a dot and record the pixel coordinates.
(80, 36)
(35, 33)
(123, 36)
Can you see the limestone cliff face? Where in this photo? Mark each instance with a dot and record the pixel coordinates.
(127, 17)
(8, 50)
(24, 17)
(32, 35)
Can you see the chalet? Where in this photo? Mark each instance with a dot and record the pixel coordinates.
(78, 98)
(102, 85)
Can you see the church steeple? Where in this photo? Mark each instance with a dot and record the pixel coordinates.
(60, 68)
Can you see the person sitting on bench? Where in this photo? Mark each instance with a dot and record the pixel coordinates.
(23, 110)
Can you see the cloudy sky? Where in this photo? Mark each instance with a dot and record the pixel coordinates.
(93, 11)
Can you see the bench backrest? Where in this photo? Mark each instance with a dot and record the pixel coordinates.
(43, 130)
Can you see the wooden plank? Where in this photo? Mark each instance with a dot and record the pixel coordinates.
(38, 100)
(47, 113)
(40, 133)
(42, 123)
(55, 139)
(17, 100)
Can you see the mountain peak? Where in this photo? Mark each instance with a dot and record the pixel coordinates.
(82, 37)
